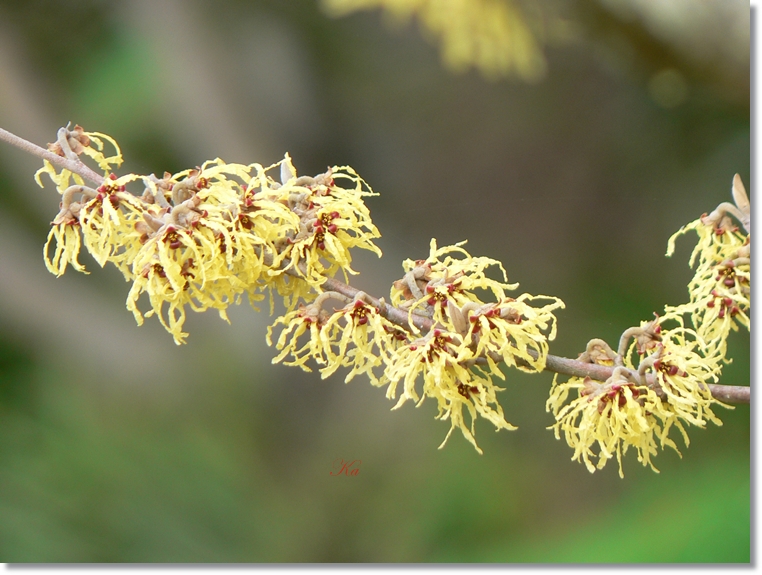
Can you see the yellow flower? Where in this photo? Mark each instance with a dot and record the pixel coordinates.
(431, 284)
(492, 35)
(720, 298)
(65, 229)
(682, 374)
(306, 320)
(513, 329)
(366, 341)
(202, 251)
(68, 242)
(332, 220)
(181, 266)
(715, 244)
(97, 152)
(99, 216)
(637, 407)
(291, 289)
(679, 362)
(153, 281)
(355, 336)
(720, 290)
(203, 237)
(108, 224)
(454, 385)
(79, 142)
(606, 419)
(444, 288)
(63, 179)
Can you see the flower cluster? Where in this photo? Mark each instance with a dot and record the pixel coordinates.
(466, 330)
(449, 379)
(720, 290)
(661, 381)
(356, 335)
(456, 358)
(661, 376)
(613, 416)
(202, 238)
(444, 288)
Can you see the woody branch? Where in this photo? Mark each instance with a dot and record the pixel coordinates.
(556, 364)
(73, 165)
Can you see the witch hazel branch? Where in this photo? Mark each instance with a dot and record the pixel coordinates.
(453, 326)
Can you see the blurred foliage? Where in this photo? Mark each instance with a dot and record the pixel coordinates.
(118, 446)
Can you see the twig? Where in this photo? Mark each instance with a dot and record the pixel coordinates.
(731, 393)
(393, 314)
(553, 363)
(74, 166)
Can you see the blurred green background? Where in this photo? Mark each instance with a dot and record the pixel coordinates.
(118, 446)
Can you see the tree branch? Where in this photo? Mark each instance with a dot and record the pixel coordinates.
(562, 365)
(556, 364)
(74, 166)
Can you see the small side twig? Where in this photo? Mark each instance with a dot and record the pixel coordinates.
(74, 166)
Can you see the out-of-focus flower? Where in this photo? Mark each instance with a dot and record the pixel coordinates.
(495, 36)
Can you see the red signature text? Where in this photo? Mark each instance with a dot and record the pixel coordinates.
(346, 467)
